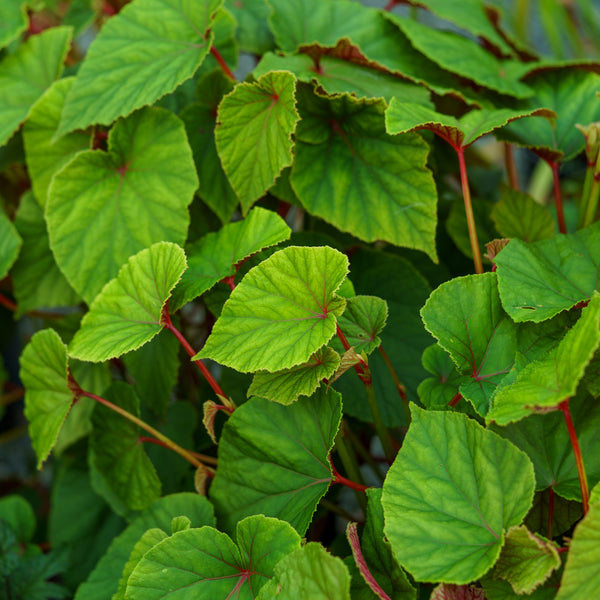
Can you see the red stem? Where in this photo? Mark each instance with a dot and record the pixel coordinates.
(550, 511)
(585, 494)
(362, 375)
(390, 5)
(8, 303)
(337, 478)
(455, 400)
(511, 167)
(560, 215)
(222, 63)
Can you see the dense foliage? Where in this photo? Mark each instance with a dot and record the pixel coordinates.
(299, 299)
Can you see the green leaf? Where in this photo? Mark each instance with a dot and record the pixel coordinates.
(518, 215)
(284, 478)
(451, 493)
(582, 576)
(309, 572)
(595, 494)
(565, 513)
(207, 564)
(526, 560)
(10, 243)
(539, 280)
(571, 93)
(103, 581)
(466, 316)
(282, 311)
(547, 382)
(147, 177)
(19, 516)
(25, 75)
(436, 392)
(48, 398)
(288, 385)
(253, 32)
(13, 20)
(127, 313)
(38, 282)
(216, 255)
(200, 119)
(352, 174)
(362, 322)
(254, 131)
(45, 157)
(118, 453)
(404, 117)
(141, 54)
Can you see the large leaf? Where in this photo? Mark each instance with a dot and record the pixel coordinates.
(283, 310)
(537, 281)
(207, 564)
(349, 172)
(25, 75)
(117, 452)
(104, 580)
(216, 255)
(13, 20)
(254, 133)
(547, 382)
(127, 313)
(46, 156)
(104, 207)
(273, 459)
(466, 316)
(451, 494)
(48, 399)
(141, 54)
(10, 243)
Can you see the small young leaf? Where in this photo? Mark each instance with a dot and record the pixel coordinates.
(436, 392)
(451, 493)
(127, 313)
(362, 322)
(10, 243)
(254, 133)
(283, 310)
(450, 591)
(284, 478)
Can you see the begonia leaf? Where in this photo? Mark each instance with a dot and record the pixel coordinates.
(282, 311)
(141, 54)
(437, 391)
(288, 385)
(362, 322)
(26, 74)
(19, 515)
(208, 564)
(451, 494)
(537, 281)
(146, 178)
(10, 244)
(451, 591)
(117, 452)
(127, 313)
(355, 176)
(216, 255)
(255, 123)
(253, 32)
(13, 20)
(273, 459)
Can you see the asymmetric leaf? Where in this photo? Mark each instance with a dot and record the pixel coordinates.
(207, 564)
(45, 157)
(537, 281)
(302, 380)
(547, 382)
(466, 316)
(436, 392)
(451, 493)
(127, 313)
(349, 172)
(254, 131)
(362, 322)
(10, 243)
(273, 459)
(216, 255)
(141, 54)
(48, 399)
(103, 207)
(25, 75)
(282, 311)
(13, 20)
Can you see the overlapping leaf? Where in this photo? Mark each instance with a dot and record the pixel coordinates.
(216, 255)
(127, 313)
(547, 382)
(451, 494)
(208, 564)
(537, 281)
(253, 32)
(283, 310)
(349, 172)
(147, 178)
(13, 20)
(362, 322)
(25, 75)
(10, 243)
(436, 392)
(273, 459)
(254, 131)
(141, 54)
